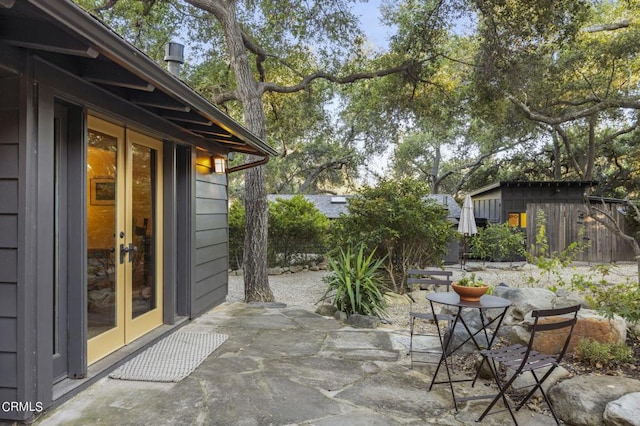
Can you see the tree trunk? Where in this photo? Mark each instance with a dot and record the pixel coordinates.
(256, 279)
(557, 153)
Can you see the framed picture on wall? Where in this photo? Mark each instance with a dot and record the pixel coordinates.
(103, 191)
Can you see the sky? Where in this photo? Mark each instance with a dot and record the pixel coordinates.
(369, 14)
(378, 35)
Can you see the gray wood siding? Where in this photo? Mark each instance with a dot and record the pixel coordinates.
(9, 173)
(210, 280)
(562, 229)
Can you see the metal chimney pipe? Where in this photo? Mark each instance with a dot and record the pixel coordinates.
(174, 57)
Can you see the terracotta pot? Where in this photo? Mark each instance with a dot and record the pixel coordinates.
(469, 294)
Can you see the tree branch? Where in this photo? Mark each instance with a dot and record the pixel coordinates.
(611, 137)
(607, 27)
(631, 103)
(306, 81)
(567, 146)
(261, 54)
(336, 164)
(608, 221)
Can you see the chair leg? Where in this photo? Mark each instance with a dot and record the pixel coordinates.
(537, 386)
(501, 394)
(411, 323)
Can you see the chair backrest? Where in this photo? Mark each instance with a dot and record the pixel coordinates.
(434, 277)
(546, 320)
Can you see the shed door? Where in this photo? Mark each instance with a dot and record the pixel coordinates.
(124, 280)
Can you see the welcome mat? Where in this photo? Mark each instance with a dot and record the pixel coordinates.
(171, 359)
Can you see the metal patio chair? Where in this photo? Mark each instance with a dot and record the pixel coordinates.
(426, 278)
(522, 359)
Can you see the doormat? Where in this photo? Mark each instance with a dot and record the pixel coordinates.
(171, 359)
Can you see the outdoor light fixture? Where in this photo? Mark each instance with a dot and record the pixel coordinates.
(580, 218)
(219, 164)
(207, 163)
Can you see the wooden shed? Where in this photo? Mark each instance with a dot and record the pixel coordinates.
(562, 202)
(113, 207)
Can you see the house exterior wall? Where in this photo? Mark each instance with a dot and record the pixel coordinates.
(562, 202)
(489, 206)
(9, 182)
(211, 278)
(193, 283)
(496, 204)
(563, 227)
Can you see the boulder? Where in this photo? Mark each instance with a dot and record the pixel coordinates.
(590, 325)
(275, 271)
(582, 400)
(395, 299)
(326, 310)
(623, 411)
(516, 334)
(460, 335)
(340, 316)
(569, 298)
(525, 300)
(526, 380)
(363, 321)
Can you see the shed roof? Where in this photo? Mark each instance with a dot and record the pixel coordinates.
(448, 202)
(537, 184)
(333, 206)
(78, 43)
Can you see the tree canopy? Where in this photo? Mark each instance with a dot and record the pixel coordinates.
(466, 92)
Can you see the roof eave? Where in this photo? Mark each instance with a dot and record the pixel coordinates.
(114, 47)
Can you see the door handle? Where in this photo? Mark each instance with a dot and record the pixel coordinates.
(132, 250)
(123, 251)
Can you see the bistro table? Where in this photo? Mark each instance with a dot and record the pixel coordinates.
(453, 300)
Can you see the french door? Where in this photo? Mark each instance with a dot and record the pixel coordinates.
(124, 238)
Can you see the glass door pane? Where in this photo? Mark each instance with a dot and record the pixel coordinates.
(101, 233)
(143, 202)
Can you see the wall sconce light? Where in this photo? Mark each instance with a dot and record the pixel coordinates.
(207, 163)
(580, 218)
(219, 164)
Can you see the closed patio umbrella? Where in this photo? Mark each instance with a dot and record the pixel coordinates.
(466, 226)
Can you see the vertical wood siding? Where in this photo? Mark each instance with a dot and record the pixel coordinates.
(563, 229)
(9, 172)
(211, 242)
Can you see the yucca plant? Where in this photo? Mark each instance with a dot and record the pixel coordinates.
(355, 283)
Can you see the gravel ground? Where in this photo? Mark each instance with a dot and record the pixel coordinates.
(305, 289)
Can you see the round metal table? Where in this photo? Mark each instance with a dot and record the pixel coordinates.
(452, 299)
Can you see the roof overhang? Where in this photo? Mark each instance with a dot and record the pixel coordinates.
(69, 37)
(536, 184)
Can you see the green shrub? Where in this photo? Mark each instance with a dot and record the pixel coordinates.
(548, 261)
(609, 299)
(596, 353)
(296, 229)
(355, 283)
(236, 234)
(498, 242)
(394, 221)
